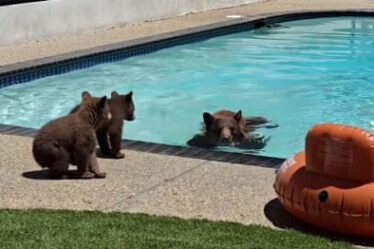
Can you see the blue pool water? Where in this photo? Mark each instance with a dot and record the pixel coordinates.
(299, 74)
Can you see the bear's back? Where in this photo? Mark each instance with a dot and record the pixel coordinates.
(61, 130)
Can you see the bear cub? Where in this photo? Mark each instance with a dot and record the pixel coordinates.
(71, 140)
(109, 133)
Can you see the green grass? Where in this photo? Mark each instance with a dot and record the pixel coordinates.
(68, 229)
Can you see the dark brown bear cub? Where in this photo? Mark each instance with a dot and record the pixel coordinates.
(122, 108)
(109, 133)
(71, 140)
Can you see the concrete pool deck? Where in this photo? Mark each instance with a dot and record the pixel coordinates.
(153, 184)
(144, 182)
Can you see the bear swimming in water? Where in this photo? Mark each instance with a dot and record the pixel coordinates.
(227, 128)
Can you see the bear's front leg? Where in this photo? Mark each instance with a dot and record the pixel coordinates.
(115, 141)
(83, 158)
(102, 138)
(94, 167)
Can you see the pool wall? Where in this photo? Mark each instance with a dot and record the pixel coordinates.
(43, 19)
(31, 70)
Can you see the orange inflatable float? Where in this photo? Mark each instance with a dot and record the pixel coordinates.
(331, 184)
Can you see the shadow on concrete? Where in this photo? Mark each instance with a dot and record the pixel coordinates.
(43, 175)
(36, 175)
(282, 219)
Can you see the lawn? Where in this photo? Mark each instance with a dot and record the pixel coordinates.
(69, 229)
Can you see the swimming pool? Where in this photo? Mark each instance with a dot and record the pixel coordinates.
(299, 74)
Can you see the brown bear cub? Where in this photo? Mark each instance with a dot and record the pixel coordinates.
(122, 108)
(71, 140)
(109, 133)
(227, 128)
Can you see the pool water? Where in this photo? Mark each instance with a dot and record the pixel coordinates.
(299, 74)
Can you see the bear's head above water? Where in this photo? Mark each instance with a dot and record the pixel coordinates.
(224, 127)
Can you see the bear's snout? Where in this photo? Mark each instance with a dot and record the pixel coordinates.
(226, 136)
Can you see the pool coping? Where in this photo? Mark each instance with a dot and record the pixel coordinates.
(8, 72)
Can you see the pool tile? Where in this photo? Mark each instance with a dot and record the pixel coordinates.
(25, 132)
(249, 160)
(146, 147)
(13, 130)
(135, 146)
(172, 150)
(157, 149)
(229, 157)
(127, 143)
(5, 128)
(203, 153)
(187, 152)
(273, 163)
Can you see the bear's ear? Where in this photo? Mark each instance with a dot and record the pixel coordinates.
(208, 118)
(128, 97)
(86, 95)
(114, 94)
(238, 115)
(102, 102)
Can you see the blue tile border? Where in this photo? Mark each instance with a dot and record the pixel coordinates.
(40, 68)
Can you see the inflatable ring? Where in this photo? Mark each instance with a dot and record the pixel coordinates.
(331, 184)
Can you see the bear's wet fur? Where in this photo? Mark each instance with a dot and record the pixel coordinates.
(227, 128)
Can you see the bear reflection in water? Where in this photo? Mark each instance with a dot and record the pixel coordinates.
(227, 128)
